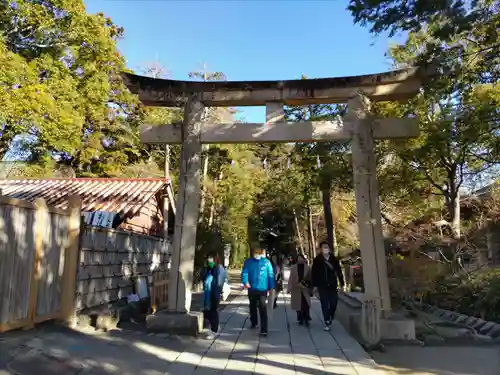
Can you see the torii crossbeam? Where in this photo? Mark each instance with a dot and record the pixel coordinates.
(358, 125)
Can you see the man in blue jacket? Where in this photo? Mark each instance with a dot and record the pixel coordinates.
(257, 277)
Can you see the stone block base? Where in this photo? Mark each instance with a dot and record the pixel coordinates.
(397, 328)
(394, 328)
(188, 324)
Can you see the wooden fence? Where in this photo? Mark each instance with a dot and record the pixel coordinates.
(38, 261)
(110, 261)
(159, 291)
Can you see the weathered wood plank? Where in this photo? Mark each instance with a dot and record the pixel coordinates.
(16, 262)
(314, 131)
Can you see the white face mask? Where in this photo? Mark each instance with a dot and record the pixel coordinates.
(257, 256)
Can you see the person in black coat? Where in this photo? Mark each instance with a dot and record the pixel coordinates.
(278, 277)
(326, 277)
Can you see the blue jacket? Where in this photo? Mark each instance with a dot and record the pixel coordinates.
(258, 273)
(213, 281)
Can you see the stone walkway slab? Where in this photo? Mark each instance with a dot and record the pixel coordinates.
(289, 349)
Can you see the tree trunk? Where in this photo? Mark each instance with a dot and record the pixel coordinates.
(310, 229)
(212, 206)
(316, 233)
(297, 228)
(455, 221)
(452, 200)
(330, 228)
(167, 161)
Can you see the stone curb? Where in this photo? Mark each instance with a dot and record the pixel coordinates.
(481, 326)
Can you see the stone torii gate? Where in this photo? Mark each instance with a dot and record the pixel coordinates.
(359, 126)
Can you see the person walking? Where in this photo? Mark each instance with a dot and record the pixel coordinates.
(326, 276)
(299, 287)
(214, 276)
(257, 276)
(278, 279)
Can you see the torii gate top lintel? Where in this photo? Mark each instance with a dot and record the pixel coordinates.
(393, 85)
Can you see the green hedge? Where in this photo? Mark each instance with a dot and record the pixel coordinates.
(475, 294)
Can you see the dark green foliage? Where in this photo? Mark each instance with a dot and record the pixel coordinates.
(476, 294)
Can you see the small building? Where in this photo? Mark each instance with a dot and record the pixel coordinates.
(131, 204)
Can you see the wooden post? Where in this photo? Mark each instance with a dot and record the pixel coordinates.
(187, 211)
(71, 261)
(41, 220)
(367, 202)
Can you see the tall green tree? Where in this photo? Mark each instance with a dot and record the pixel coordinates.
(457, 110)
(456, 30)
(332, 165)
(64, 89)
(458, 146)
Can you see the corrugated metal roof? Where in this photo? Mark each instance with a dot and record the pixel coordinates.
(123, 196)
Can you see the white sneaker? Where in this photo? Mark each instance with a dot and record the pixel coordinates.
(326, 328)
(210, 336)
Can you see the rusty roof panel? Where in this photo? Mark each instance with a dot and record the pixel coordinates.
(119, 195)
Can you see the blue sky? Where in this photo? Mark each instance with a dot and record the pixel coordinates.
(246, 40)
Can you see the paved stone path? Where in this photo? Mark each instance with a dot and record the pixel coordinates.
(289, 349)
(440, 360)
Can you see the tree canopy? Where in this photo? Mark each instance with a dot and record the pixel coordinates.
(64, 90)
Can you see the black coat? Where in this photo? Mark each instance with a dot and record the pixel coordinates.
(326, 274)
(278, 277)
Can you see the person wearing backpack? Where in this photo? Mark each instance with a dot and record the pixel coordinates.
(326, 277)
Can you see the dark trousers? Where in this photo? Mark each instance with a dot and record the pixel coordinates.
(212, 316)
(303, 315)
(258, 302)
(279, 288)
(328, 299)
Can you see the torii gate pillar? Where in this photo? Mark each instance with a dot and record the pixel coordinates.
(180, 282)
(178, 318)
(368, 202)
